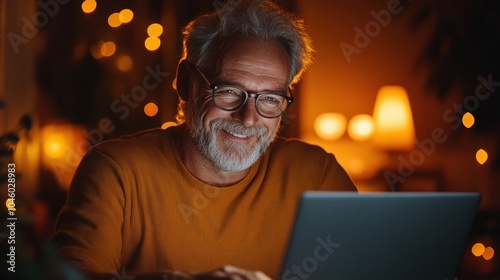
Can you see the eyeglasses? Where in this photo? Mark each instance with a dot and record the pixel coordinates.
(231, 98)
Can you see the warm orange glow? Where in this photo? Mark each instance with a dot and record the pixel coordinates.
(108, 49)
(330, 126)
(361, 127)
(114, 20)
(88, 6)
(166, 125)
(468, 120)
(155, 30)
(152, 43)
(125, 16)
(124, 63)
(151, 109)
(54, 145)
(393, 119)
(488, 253)
(478, 249)
(481, 156)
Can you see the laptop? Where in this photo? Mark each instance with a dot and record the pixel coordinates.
(379, 235)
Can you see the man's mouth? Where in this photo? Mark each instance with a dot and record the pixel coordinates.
(235, 134)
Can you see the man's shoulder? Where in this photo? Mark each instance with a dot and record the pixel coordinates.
(151, 140)
(296, 148)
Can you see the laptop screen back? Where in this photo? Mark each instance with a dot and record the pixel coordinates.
(379, 235)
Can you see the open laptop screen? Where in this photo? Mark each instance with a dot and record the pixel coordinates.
(379, 235)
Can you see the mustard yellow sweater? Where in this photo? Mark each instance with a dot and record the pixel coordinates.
(133, 205)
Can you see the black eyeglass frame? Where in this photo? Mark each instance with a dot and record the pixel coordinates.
(213, 87)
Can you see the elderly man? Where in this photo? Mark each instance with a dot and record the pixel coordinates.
(220, 188)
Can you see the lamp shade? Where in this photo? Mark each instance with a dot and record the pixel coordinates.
(393, 119)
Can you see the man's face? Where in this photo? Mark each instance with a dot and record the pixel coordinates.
(234, 140)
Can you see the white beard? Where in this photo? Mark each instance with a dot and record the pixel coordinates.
(230, 156)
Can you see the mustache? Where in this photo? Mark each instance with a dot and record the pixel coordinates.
(238, 128)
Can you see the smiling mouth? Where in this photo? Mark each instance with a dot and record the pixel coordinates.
(235, 134)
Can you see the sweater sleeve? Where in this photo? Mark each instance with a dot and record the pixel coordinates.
(89, 227)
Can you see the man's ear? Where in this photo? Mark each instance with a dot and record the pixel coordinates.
(182, 81)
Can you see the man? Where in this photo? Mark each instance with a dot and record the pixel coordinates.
(219, 189)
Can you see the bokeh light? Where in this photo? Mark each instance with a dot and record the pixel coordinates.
(361, 127)
(152, 43)
(126, 16)
(108, 49)
(468, 120)
(330, 126)
(114, 20)
(151, 109)
(481, 156)
(488, 253)
(124, 63)
(155, 30)
(477, 249)
(88, 6)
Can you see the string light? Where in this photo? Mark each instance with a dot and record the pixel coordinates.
(125, 16)
(114, 20)
(477, 249)
(155, 30)
(88, 6)
(468, 120)
(481, 156)
(488, 253)
(108, 49)
(152, 43)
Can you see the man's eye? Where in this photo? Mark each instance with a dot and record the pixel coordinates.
(272, 100)
(227, 92)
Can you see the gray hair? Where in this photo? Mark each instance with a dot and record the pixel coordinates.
(261, 19)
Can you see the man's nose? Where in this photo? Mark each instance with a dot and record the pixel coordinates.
(247, 114)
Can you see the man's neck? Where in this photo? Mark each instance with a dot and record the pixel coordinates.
(201, 167)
